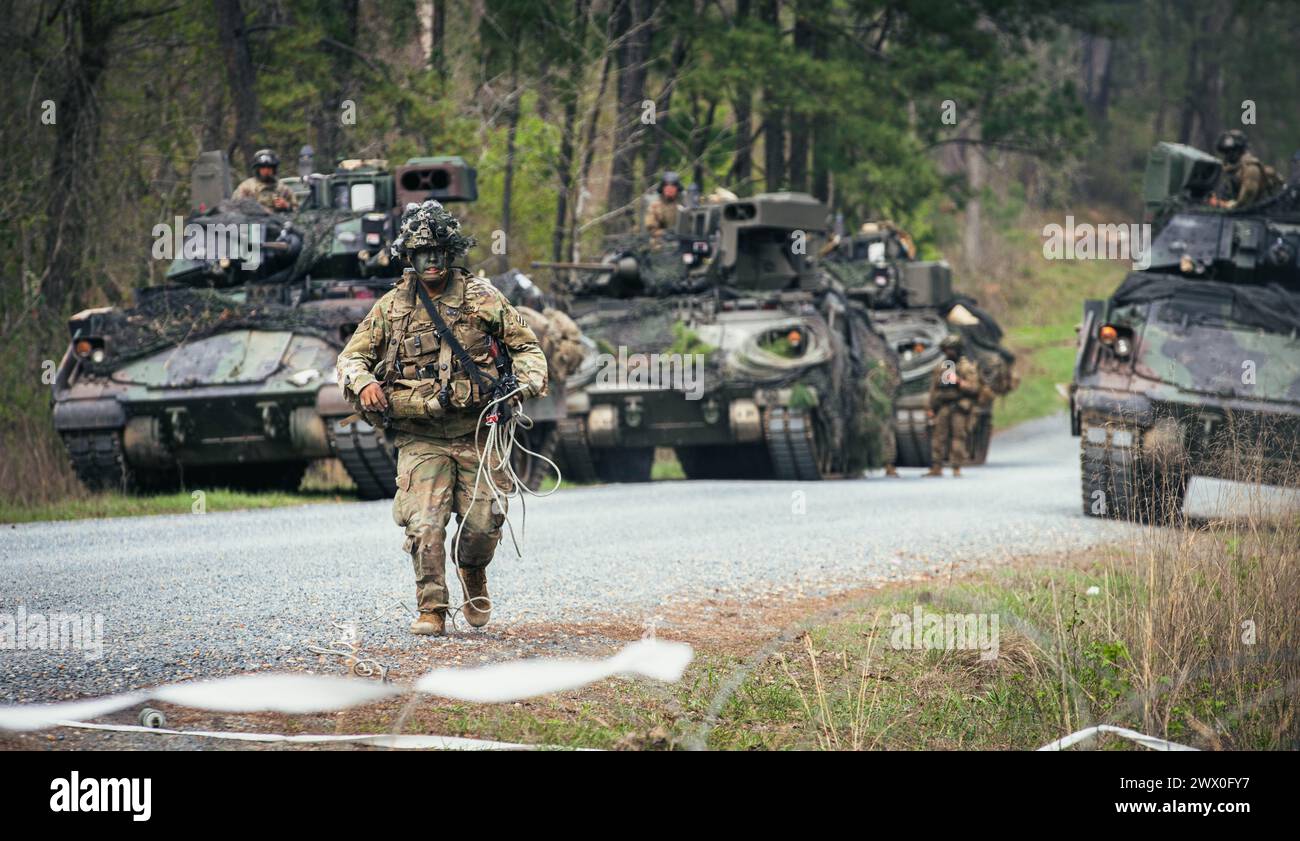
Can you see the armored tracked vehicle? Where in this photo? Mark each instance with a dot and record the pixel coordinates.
(724, 342)
(1192, 366)
(225, 374)
(912, 303)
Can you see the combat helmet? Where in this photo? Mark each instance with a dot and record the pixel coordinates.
(430, 226)
(265, 157)
(1232, 144)
(669, 177)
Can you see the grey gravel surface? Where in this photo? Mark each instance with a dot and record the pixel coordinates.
(207, 594)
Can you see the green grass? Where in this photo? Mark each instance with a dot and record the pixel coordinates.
(120, 505)
(1040, 305)
(1121, 636)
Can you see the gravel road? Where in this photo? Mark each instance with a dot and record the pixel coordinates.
(206, 594)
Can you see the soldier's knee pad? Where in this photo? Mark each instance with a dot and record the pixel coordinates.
(476, 548)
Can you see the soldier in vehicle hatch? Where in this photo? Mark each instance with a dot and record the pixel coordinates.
(263, 187)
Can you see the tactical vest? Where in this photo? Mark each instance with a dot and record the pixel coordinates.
(418, 366)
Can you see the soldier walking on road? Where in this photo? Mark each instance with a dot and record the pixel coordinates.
(428, 359)
(954, 392)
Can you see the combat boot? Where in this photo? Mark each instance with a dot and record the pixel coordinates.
(935, 470)
(431, 623)
(891, 472)
(478, 606)
(956, 472)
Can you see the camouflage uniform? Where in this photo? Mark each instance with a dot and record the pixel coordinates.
(438, 459)
(1245, 179)
(265, 193)
(953, 406)
(661, 217)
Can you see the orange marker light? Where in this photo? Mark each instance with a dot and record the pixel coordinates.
(1108, 334)
(83, 348)
(794, 337)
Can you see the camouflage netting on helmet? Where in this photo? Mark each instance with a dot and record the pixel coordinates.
(169, 316)
(1271, 307)
(430, 225)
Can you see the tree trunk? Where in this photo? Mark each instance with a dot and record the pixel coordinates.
(76, 139)
(241, 75)
(507, 189)
(588, 156)
(800, 124)
(773, 117)
(973, 235)
(630, 23)
(1097, 55)
(742, 108)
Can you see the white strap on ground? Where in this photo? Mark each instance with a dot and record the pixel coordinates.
(401, 740)
(300, 693)
(1088, 732)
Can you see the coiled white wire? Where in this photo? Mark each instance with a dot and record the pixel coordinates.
(499, 444)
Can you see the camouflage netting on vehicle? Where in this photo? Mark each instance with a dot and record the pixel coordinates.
(1272, 307)
(645, 326)
(236, 211)
(168, 316)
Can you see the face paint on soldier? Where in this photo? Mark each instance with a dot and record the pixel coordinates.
(430, 262)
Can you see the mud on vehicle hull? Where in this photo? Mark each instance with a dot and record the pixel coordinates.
(1138, 454)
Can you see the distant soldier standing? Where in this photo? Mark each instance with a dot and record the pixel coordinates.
(954, 392)
(661, 216)
(263, 187)
(431, 376)
(1246, 179)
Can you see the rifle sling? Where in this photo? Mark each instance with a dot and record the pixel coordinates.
(486, 384)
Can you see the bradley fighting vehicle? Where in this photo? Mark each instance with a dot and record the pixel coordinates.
(723, 341)
(913, 305)
(225, 374)
(1192, 366)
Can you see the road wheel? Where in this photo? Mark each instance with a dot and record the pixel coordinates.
(1117, 483)
(99, 461)
(625, 464)
(798, 445)
(913, 441)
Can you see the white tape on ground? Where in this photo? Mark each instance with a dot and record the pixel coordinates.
(1141, 738)
(297, 693)
(382, 740)
(524, 679)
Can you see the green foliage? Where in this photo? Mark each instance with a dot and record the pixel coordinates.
(687, 342)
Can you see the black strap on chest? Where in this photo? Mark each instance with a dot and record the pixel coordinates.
(486, 384)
